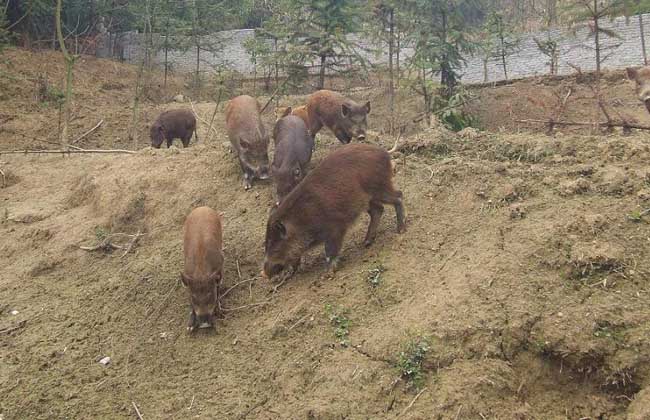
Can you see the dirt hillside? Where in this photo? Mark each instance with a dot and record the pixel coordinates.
(520, 289)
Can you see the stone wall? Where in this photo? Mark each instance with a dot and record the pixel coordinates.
(576, 48)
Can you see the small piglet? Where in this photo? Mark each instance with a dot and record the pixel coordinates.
(346, 118)
(293, 146)
(176, 123)
(641, 78)
(203, 270)
(352, 179)
(248, 137)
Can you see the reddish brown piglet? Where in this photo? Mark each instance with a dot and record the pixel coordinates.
(351, 180)
(293, 146)
(203, 269)
(299, 111)
(641, 78)
(248, 137)
(346, 118)
(173, 124)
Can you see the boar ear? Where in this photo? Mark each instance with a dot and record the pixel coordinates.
(286, 112)
(345, 110)
(367, 106)
(631, 73)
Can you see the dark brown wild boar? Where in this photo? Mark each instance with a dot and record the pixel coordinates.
(641, 77)
(352, 179)
(346, 118)
(248, 137)
(300, 111)
(173, 124)
(203, 269)
(293, 146)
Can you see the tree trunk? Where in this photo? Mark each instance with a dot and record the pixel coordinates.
(551, 6)
(321, 76)
(485, 69)
(397, 51)
(642, 32)
(597, 41)
(391, 86)
(198, 62)
(138, 83)
(446, 74)
(503, 57)
(69, 63)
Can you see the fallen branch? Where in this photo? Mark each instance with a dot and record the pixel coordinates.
(87, 133)
(394, 148)
(234, 286)
(4, 178)
(132, 243)
(136, 410)
(579, 123)
(63, 152)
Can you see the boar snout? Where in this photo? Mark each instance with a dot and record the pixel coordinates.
(361, 136)
(271, 269)
(263, 172)
(200, 321)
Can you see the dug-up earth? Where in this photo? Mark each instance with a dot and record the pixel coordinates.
(519, 291)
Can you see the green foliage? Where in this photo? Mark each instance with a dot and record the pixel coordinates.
(550, 47)
(451, 112)
(504, 41)
(374, 275)
(410, 361)
(341, 324)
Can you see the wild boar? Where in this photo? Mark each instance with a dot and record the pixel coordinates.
(352, 179)
(248, 137)
(173, 124)
(203, 269)
(300, 111)
(344, 117)
(641, 77)
(293, 146)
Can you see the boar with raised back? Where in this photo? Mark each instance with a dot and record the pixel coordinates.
(641, 77)
(248, 137)
(352, 179)
(173, 124)
(300, 111)
(203, 269)
(344, 117)
(293, 146)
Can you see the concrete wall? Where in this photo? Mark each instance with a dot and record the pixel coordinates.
(575, 48)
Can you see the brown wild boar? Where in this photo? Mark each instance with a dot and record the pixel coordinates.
(346, 118)
(173, 124)
(352, 179)
(641, 77)
(293, 146)
(203, 269)
(300, 111)
(248, 137)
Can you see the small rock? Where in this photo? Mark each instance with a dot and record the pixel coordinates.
(179, 98)
(164, 335)
(14, 312)
(105, 361)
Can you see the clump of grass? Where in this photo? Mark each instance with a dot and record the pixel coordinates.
(410, 361)
(100, 233)
(374, 275)
(637, 216)
(341, 324)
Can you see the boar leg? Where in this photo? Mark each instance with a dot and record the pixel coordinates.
(248, 177)
(333, 246)
(169, 143)
(394, 197)
(375, 211)
(186, 140)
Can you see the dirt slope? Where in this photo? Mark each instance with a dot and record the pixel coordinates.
(520, 289)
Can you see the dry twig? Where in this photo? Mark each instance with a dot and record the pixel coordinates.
(4, 178)
(202, 120)
(87, 133)
(16, 327)
(413, 402)
(137, 411)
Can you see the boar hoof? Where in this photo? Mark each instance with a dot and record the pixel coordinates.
(334, 263)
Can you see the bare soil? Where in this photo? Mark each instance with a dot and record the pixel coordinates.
(524, 270)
